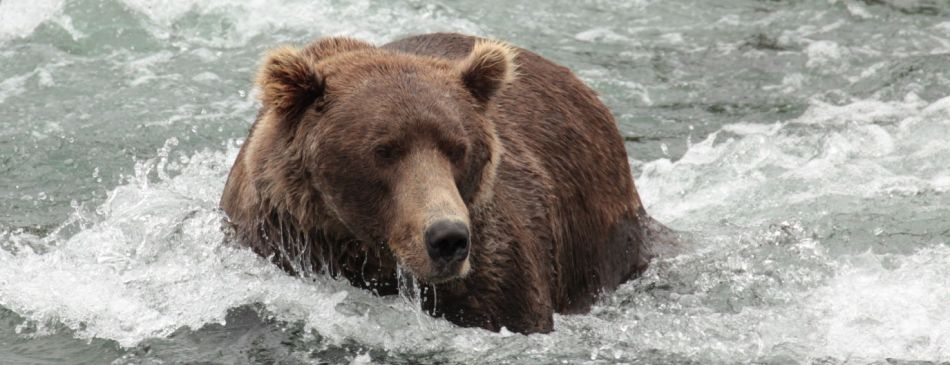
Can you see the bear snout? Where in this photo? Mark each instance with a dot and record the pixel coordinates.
(447, 241)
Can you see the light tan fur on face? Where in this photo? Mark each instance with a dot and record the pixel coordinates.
(425, 193)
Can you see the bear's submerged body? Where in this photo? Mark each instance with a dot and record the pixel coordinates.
(554, 220)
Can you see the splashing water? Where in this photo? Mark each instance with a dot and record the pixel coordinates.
(800, 147)
(152, 259)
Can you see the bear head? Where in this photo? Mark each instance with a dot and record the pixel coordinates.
(395, 148)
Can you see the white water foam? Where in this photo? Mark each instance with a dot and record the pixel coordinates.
(887, 306)
(13, 86)
(834, 159)
(864, 150)
(248, 19)
(18, 18)
(234, 24)
(153, 259)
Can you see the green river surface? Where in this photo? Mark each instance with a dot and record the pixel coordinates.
(803, 146)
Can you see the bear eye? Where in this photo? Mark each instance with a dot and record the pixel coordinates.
(385, 152)
(457, 153)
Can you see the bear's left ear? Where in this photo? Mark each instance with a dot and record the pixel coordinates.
(289, 81)
(488, 69)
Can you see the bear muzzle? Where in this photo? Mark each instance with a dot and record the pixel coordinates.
(447, 243)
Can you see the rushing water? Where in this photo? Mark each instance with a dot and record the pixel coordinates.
(802, 145)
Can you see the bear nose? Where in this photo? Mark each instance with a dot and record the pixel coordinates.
(447, 240)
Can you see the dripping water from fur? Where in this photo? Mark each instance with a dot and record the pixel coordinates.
(810, 123)
(410, 292)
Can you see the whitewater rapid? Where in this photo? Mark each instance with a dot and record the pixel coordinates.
(800, 148)
(153, 259)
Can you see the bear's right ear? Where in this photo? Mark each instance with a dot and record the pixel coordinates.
(289, 81)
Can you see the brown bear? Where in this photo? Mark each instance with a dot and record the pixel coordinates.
(491, 175)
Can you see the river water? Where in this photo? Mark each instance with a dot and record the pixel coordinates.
(801, 146)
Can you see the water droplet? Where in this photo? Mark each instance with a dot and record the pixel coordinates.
(665, 149)
(242, 93)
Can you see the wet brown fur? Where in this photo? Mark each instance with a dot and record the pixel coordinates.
(540, 169)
